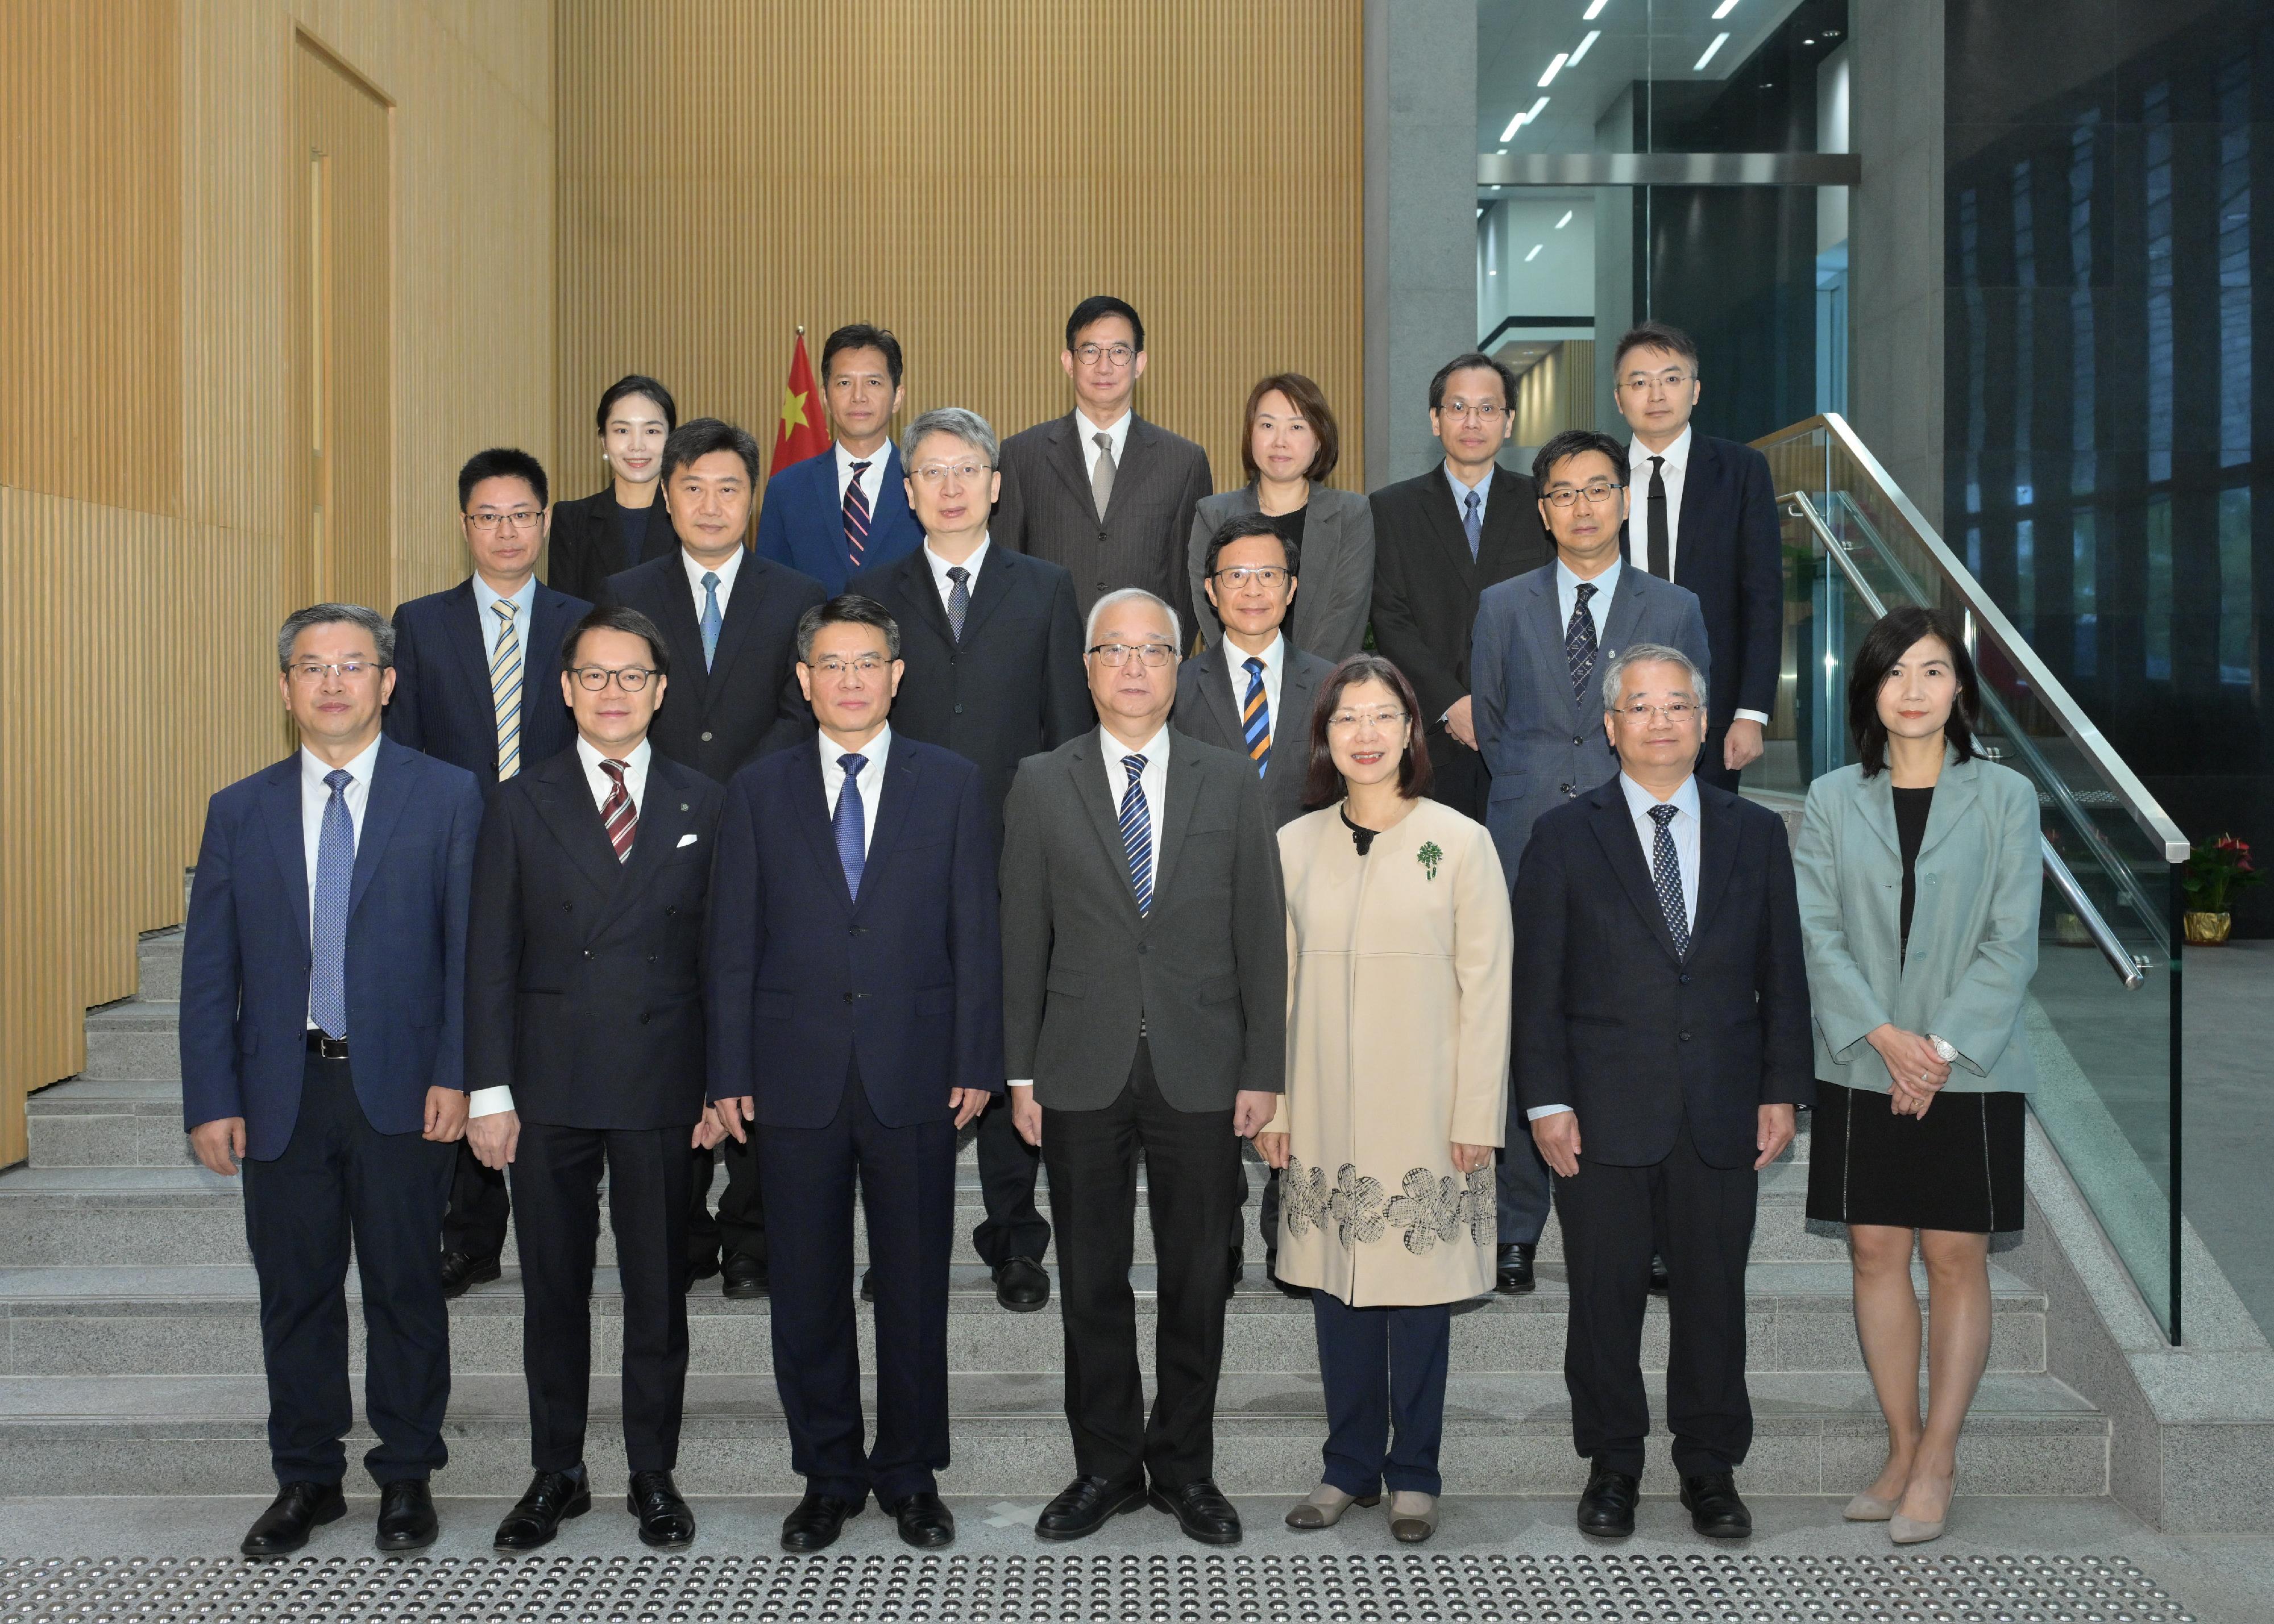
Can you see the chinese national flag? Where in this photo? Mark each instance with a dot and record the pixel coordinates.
(804, 432)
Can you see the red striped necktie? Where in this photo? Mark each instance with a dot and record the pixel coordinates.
(617, 814)
(856, 516)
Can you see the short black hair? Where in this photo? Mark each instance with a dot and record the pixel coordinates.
(1462, 363)
(1576, 442)
(501, 463)
(860, 336)
(1890, 637)
(1655, 336)
(846, 609)
(1097, 307)
(705, 435)
(635, 383)
(617, 617)
(1241, 528)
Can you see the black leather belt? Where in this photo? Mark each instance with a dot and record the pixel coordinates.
(325, 1048)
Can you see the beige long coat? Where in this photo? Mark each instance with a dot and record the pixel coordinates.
(1397, 1016)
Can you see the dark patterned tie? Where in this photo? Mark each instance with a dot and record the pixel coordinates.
(857, 517)
(1579, 642)
(1666, 873)
(959, 599)
(1137, 834)
(1661, 548)
(850, 824)
(1472, 525)
(618, 815)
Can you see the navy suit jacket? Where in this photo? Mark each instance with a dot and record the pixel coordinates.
(802, 522)
(1728, 549)
(245, 952)
(443, 703)
(808, 986)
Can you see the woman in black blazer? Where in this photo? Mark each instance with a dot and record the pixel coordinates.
(625, 524)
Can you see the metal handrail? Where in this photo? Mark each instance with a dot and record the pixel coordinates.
(2130, 969)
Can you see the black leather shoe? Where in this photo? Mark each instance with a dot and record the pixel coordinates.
(1658, 1280)
(1020, 1285)
(924, 1522)
(815, 1523)
(460, 1270)
(867, 1285)
(406, 1515)
(551, 1499)
(745, 1276)
(1085, 1506)
(298, 1506)
(1715, 1511)
(1606, 1507)
(1512, 1274)
(1200, 1510)
(665, 1521)
(701, 1268)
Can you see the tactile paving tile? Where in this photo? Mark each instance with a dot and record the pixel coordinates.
(949, 1588)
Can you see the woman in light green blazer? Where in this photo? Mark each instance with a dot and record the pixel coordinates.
(1920, 873)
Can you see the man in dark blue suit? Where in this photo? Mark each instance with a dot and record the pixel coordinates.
(323, 994)
(478, 684)
(832, 515)
(1704, 517)
(856, 1019)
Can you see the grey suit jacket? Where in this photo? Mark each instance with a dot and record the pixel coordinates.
(1203, 972)
(1047, 509)
(1543, 745)
(1337, 590)
(1207, 711)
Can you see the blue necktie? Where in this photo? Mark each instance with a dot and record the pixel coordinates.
(1473, 525)
(848, 825)
(1666, 872)
(1137, 834)
(1255, 718)
(709, 617)
(1579, 642)
(327, 976)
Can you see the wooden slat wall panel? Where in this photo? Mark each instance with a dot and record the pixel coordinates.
(962, 171)
(148, 535)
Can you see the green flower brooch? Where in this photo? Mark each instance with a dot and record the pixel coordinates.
(1430, 857)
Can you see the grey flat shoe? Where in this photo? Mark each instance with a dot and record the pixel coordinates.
(1413, 1517)
(1325, 1507)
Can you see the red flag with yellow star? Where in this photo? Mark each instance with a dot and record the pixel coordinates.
(804, 431)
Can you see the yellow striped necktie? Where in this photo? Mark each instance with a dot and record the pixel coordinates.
(1255, 719)
(504, 690)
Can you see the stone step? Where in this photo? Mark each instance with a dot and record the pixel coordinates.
(204, 1320)
(1813, 1434)
(160, 956)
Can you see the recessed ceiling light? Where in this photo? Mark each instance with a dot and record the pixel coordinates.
(1501, 153)
(1593, 35)
(1554, 68)
(1593, 10)
(1522, 119)
(1565, 221)
(1720, 40)
(1534, 254)
(1724, 8)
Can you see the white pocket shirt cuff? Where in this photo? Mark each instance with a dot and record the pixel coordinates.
(489, 1101)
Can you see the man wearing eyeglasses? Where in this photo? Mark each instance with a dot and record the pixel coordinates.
(993, 649)
(1704, 517)
(478, 684)
(1144, 1011)
(1100, 491)
(585, 1053)
(1541, 642)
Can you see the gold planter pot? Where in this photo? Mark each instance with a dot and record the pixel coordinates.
(2208, 930)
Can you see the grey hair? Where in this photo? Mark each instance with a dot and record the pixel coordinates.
(383, 635)
(1089, 627)
(965, 424)
(1643, 654)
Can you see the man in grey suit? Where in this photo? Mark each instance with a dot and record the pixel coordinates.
(1099, 492)
(1144, 1009)
(1541, 639)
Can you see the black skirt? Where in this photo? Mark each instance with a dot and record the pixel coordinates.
(1957, 1168)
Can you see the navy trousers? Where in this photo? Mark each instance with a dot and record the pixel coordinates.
(342, 1181)
(1520, 1180)
(1383, 1370)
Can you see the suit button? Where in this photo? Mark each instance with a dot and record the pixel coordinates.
(951, 659)
(567, 908)
(1569, 789)
(643, 1017)
(670, 909)
(706, 737)
(1144, 947)
(848, 998)
(1576, 742)
(1685, 981)
(588, 952)
(652, 958)
(1685, 1037)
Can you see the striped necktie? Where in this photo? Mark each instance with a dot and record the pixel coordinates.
(618, 815)
(856, 516)
(504, 689)
(1137, 834)
(1255, 718)
(1579, 642)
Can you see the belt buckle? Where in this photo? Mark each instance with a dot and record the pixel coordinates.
(326, 1047)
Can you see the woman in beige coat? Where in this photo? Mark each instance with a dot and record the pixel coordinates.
(1398, 947)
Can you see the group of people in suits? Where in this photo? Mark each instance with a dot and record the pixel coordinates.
(925, 817)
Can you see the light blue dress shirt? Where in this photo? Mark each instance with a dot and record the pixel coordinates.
(522, 602)
(1567, 594)
(1483, 488)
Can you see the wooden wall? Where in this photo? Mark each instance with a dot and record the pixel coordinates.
(963, 172)
(149, 191)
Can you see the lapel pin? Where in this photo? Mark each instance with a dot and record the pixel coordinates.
(682, 806)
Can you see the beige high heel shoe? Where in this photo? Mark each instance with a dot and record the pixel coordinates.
(1869, 1508)
(1325, 1507)
(1910, 1532)
(1413, 1516)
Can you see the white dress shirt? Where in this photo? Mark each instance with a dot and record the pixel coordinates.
(490, 1101)
(726, 572)
(485, 597)
(315, 795)
(872, 478)
(871, 778)
(1275, 666)
(1567, 596)
(1685, 826)
(1118, 434)
(940, 567)
(1674, 471)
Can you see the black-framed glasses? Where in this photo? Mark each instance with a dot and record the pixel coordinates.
(1154, 655)
(593, 679)
(1112, 355)
(1597, 493)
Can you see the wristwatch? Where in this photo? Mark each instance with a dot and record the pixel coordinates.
(1944, 1050)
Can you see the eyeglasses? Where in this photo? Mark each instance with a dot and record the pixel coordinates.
(1112, 355)
(1266, 576)
(519, 519)
(346, 671)
(1483, 411)
(1351, 721)
(1153, 654)
(1597, 494)
(1677, 711)
(933, 473)
(1643, 383)
(593, 679)
(862, 665)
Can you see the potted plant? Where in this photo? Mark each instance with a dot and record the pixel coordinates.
(2216, 870)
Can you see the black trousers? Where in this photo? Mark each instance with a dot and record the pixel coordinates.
(479, 1209)
(1190, 1159)
(1462, 781)
(1710, 768)
(343, 1183)
(556, 1184)
(1267, 1216)
(1014, 1227)
(741, 1224)
(1700, 1219)
(907, 1178)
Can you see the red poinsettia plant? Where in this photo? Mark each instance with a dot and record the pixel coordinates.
(2217, 869)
